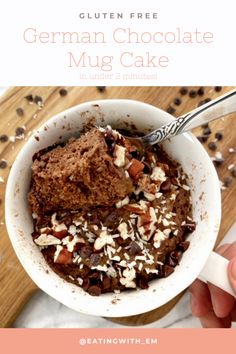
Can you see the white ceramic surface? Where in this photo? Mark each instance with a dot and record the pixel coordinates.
(206, 209)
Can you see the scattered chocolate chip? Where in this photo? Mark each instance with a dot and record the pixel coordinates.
(212, 146)
(101, 88)
(183, 246)
(192, 93)
(95, 259)
(218, 161)
(166, 186)
(29, 98)
(183, 91)
(219, 136)
(134, 248)
(218, 88)
(200, 91)
(177, 101)
(170, 110)
(227, 181)
(208, 99)
(203, 138)
(86, 252)
(206, 131)
(3, 138)
(94, 290)
(20, 131)
(20, 112)
(206, 125)
(233, 172)
(189, 227)
(38, 100)
(63, 92)
(3, 164)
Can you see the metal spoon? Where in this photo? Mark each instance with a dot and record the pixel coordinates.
(212, 110)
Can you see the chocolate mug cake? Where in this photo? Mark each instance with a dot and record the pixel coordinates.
(106, 217)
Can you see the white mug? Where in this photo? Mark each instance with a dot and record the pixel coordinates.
(197, 261)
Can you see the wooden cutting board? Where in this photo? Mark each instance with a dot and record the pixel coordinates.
(15, 286)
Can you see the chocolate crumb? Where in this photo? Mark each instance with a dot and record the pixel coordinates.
(29, 98)
(170, 110)
(20, 112)
(200, 91)
(101, 88)
(94, 290)
(212, 146)
(227, 181)
(20, 131)
(3, 138)
(63, 92)
(177, 101)
(3, 164)
(183, 91)
(219, 136)
(218, 88)
(192, 93)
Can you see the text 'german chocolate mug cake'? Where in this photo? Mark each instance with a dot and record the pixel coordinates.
(106, 217)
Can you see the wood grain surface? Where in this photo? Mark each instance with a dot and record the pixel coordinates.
(15, 286)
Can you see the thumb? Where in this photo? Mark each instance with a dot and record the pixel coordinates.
(232, 273)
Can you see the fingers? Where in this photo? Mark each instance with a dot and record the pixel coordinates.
(210, 320)
(232, 273)
(200, 299)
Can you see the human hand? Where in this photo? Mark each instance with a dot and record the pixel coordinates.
(214, 307)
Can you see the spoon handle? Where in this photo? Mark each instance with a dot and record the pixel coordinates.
(217, 108)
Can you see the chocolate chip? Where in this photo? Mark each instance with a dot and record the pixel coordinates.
(95, 259)
(20, 112)
(166, 186)
(233, 172)
(218, 161)
(134, 248)
(3, 164)
(218, 88)
(29, 98)
(183, 246)
(177, 101)
(192, 93)
(101, 88)
(94, 290)
(142, 281)
(86, 252)
(20, 131)
(206, 125)
(106, 282)
(212, 145)
(38, 100)
(203, 138)
(167, 270)
(3, 138)
(206, 131)
(200, 91)
(170, 110)
(63, 92)
(219, 136)
(227, 181)
(189, 227)
(183, 91)
(208, 99)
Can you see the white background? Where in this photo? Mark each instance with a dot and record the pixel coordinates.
(22, 64)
